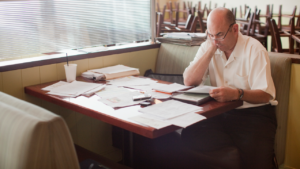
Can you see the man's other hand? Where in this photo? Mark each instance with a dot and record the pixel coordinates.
(224, 94)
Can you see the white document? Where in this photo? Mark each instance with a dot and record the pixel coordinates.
(112, 91)
(91, 92)
(60, 83)
(146, 88)
(171, 88)
(186, 119)
(158, 124)
(131, 81)
(114, 69)
(94, 104)
(180, 121)
(159, 95)
(74, 88)
(121, 100)
(170, 109)
(127, 113)
(200, 89)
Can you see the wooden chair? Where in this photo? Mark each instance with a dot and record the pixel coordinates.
(280, 15)
(202, 25)
(251, 25)
(180, 21)
(157, 7)
(199, 6)
(245, 11)
(189, 27)
(233, 10)
(295, 36)
(263, 28)
(244, 21)
(276, 35)
(276, 41)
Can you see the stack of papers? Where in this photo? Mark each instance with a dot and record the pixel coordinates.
(114, 96)
(131, 81)
(200, 89)
(113, 72)
(73, 89)
(171, 88)
(181, 38)
(168, 113)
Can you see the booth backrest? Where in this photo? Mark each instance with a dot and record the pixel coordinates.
(173, 59)
(33, 138)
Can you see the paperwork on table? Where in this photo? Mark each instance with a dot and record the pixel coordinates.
(174, 87)
(200, 89)
(168, 113)
(73, 89)
(131, 81)
(111, 72)
(118, 97)
(148, 89)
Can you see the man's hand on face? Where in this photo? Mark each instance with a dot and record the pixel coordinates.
(224, 94)
(212, 47)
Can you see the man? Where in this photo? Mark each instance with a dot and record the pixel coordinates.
(239, 66)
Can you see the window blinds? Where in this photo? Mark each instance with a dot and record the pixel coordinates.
(32, 27)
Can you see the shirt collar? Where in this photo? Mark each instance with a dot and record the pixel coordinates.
(237, 49)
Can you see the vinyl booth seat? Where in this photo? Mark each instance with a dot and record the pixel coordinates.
(33, 138)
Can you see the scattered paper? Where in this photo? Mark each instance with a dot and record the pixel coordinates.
(112, 91)
(75, 88)
(60, 83)
(113, 69)
(121, 100)
(170, 109)
(159, 95)
(158, 124)
(131, 81)
(200, 89)
(171, 88)
(186, 119)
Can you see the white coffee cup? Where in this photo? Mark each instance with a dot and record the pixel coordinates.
(70, 72)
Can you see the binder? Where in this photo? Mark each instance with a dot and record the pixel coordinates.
(193, 98)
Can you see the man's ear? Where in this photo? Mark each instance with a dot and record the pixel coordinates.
(235, 28)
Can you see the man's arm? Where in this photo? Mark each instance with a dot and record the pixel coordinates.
(223, 94)
(194, 73)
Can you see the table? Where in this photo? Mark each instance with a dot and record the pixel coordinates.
(210, 109)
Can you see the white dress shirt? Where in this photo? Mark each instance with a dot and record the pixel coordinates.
(248, 67)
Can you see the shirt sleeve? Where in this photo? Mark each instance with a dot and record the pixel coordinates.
(260, 73)
(199, 54)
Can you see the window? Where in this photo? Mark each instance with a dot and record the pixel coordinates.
(29, 28)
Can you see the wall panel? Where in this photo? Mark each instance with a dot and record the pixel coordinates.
(48, 73)
(95, 63)
(1, 82)
(293, 128)
(12, 83)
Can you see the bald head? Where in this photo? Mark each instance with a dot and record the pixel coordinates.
(221, 15)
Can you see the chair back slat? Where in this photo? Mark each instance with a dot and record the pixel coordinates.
(277, 40)
(200, 19)
(194, 24)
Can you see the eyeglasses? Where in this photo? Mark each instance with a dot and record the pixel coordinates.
(220, 39)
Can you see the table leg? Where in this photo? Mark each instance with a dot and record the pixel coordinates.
(127, 148)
